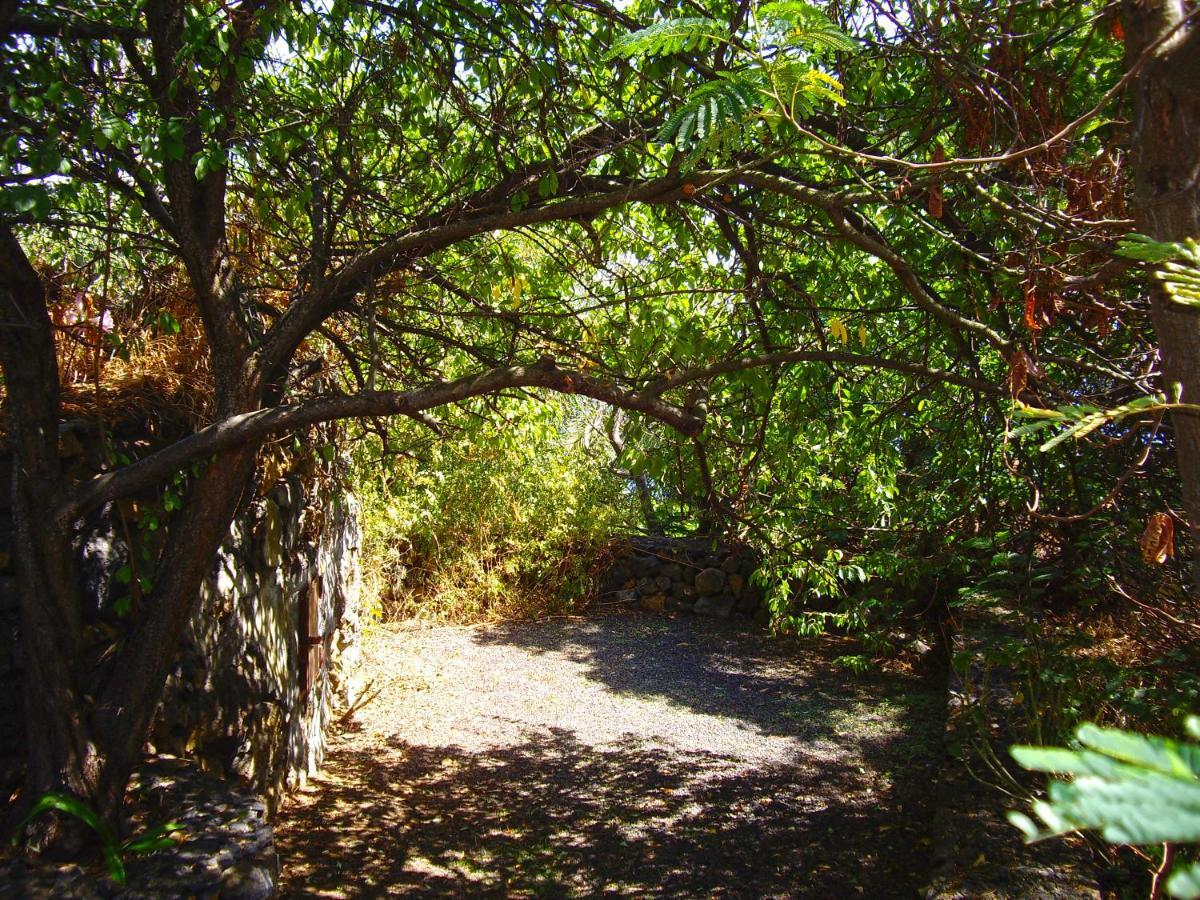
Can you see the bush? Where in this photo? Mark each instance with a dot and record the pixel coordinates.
(502, 520)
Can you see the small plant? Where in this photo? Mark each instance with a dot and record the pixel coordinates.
(1132, 788)
(111, 849)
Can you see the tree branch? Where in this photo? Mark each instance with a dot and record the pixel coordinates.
(248, 428)
(310, 310)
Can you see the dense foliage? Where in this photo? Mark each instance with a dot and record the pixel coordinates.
(506, 519)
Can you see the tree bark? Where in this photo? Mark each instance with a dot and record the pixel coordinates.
(1166, 141)
(62, 754)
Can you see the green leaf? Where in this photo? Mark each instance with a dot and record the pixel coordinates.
(548, 185)
(1185, 882)
(158, 838)
(808, 26)
(710, 107)
(1146, 249)
(670, 36)
(73, 806)
(1132, 788)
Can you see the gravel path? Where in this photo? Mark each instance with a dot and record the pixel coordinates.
(619, 756)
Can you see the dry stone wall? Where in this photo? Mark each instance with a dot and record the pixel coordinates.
(272, 648)
(662, 574)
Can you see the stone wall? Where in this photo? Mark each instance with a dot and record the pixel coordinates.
(685, 575)
(272, 648)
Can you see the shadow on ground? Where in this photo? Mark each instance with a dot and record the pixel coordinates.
(552, 815)
(791, 687)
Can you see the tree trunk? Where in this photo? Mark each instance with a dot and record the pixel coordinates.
(83, 747)
(62, 755)
(133, 690)
(1166, 141)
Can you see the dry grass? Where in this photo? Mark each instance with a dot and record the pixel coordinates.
(147, 358)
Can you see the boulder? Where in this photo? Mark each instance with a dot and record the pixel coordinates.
(717, 605)
(654, 603)
(710, 581)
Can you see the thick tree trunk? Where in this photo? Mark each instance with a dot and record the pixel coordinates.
(84, 747)
(1166, 140)
(62, 755)
(133, 690)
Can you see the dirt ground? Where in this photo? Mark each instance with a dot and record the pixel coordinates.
(619, 756)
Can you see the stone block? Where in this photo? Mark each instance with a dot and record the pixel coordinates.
(710, 581)
(654, 603)
(737, 585)
(718, 606)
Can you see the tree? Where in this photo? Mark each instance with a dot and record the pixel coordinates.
(1161, 41)
(456, 200)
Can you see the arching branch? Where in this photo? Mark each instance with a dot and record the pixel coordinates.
(253, 427)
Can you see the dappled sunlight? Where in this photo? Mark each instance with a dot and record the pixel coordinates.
(495, 768)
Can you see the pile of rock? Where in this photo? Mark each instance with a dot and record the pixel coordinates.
(224, 847)
(685, 575)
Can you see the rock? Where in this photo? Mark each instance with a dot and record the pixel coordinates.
(689, 575)
(710, 581)
(737, 585)
(627, 596)
(663, 583)
(717, 605)
(654, 603)
(673, 571)
(246, 881)
(644, 566)
(731, 564)
(646, 586)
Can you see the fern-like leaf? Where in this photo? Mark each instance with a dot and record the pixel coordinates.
(1179, 270)
(806, 26)
(670, 36)
(710, 108)
(797, 88)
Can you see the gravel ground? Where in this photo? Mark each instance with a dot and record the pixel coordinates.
(619, 756)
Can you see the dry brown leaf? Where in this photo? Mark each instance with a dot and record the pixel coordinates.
(1158, 540)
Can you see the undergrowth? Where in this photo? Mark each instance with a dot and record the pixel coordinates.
(497, 522)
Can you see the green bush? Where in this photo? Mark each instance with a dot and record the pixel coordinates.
(502, 520)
